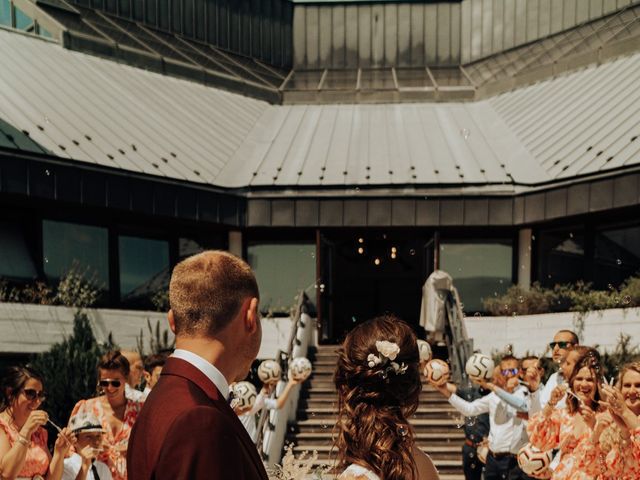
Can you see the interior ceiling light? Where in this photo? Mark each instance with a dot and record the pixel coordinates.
(377, 261)
(360, 250)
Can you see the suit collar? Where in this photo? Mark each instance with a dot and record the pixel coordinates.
(182, 368)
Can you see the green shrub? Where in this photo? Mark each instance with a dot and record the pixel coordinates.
(69, 369)
(621, 355)
(578, 297)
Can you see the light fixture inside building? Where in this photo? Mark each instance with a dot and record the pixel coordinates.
(393, 256)
(377, 261)
(394, 249)
(360, 250)
(361, 240)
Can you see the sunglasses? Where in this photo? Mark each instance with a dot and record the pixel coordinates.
(33, 394)
(106, 382)
(552, 345)
(509, 371)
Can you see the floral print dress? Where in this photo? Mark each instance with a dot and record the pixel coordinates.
(614, 457)
(114, 453)
(37, 461)
(558, 431)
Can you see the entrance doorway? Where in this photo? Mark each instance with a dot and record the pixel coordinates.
(367, 273)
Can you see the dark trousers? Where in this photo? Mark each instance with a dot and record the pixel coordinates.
(470, 463)
(503, 468)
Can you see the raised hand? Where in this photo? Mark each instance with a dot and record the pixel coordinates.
(557, 394)
(614, 400)
(588, 415)
(88, 453)
(36, 419)
(66, 439)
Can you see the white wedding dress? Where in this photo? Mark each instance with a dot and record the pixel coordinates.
(358, 472)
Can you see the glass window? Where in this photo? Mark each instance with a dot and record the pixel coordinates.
(23, 21)
(191, 246)
(561, 256)
(617, 255)
(5, 13)
(144, 269)
(44, 32)
(65, 245)
(282, 271)
(479, 270)
(16, 261)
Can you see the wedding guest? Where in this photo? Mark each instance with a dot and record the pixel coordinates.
(263, 402)
(116, 413)
(378, 382)
(613, 450)
(23, 440)
(187, 430)
(568, 428)
(153, 365)
(83, 464)
(507, 432)
(563, 342)
(134, 379)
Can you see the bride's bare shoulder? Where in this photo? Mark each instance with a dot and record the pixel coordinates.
(426, 468)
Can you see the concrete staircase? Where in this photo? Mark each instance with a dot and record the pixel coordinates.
(436, 422)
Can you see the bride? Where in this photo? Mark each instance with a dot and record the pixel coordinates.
(378, 382)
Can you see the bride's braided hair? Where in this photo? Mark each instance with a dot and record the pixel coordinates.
(374, 404)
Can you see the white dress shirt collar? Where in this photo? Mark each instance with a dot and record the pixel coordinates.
(208, 369)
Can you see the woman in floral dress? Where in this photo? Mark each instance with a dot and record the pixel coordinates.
(570, 428)
(23, 440)
(116, 413)
(613, 451)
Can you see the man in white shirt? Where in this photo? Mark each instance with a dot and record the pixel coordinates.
(507, 432)
(563, 342)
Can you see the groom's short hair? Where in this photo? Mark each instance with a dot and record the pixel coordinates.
(207, 290)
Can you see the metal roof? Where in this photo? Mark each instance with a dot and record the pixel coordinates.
(89, 109)
(94, 110)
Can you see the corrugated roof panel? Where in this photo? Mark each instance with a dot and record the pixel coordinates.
(294, 160)
(578, 123)
(164, 126)
(338, 149)
(311, 167)
(438, 151)
(400, 161)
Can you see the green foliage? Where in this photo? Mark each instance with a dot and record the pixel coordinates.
(160, 300)
(158, 342)
(69, 369)
(77, 288)
(623, 353)
(578, 297)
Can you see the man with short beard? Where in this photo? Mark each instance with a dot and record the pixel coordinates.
(563, 342)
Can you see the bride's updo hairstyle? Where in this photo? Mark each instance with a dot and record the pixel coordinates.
(375, 399)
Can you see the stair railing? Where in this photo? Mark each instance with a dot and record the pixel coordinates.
(272, 424)
(459, 345)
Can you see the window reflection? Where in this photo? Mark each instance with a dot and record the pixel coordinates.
(479, 270)
(16, 262)
(144, 269)
(617, 256)
(68, 245)
(562, 257)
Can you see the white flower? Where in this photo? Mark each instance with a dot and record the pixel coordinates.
(388, 349)
(373, 360)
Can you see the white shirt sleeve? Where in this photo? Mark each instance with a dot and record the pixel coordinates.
(471, 409)
(71, 467)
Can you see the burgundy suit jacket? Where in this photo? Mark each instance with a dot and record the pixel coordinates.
(187, 431)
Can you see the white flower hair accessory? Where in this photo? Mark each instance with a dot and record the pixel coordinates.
(388, 352)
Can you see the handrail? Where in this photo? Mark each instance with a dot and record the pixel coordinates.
(459, 345)
(283, 359)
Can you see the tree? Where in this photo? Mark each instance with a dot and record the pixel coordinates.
(69, 370)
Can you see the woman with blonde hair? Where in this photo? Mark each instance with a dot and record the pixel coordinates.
(114, 410)
(613, 451)
(378, 382)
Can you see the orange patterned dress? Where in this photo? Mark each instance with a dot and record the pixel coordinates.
(558, 431)
(37, 461)
(114, 453)
(614, 458)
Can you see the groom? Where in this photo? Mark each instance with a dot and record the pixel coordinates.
(186, 429)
